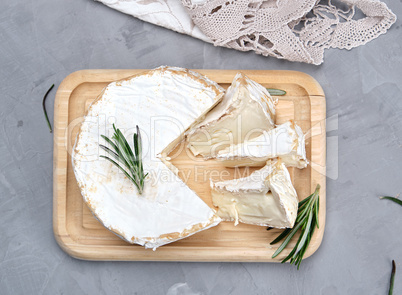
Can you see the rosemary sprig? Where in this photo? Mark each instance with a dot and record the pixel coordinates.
(276, 92)
(44, 108)
(306, 221)
(124, 158)
(391, 283)
(396, 200)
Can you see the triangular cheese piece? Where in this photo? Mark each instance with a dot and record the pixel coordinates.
(285, 141)
(266, 197)
(246, 111)
(164, 103)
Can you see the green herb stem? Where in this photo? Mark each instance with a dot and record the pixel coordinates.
(396, 200)
(276, 92)
(44, 107)
(391, 283)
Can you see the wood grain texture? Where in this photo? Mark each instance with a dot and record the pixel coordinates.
(82, 236)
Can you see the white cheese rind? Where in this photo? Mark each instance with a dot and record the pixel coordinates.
(266, 197)
(246, 111)
(164, 103)
(285, 141)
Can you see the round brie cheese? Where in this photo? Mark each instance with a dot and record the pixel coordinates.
(164, 103)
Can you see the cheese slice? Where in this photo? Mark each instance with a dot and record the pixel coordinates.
(285, 141)
(266, 197)
(164, 103)
(246, 111)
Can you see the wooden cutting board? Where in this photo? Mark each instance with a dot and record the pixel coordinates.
(82, 236)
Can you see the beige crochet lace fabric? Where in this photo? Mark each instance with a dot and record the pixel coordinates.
(296, 30)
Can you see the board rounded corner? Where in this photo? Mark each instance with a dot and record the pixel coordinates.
(66, 243)
(312, 86)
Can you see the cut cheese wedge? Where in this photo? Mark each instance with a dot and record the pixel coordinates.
(285, 141)
(266, 197)
(164, 103)
(246, 111)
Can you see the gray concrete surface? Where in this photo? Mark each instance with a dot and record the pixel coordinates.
(42, 41)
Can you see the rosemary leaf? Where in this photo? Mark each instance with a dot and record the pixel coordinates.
(305, 233)
(121, 158)
(287, 240)
(317, 206)
(391, 283)
(135, 140)
(44, 108)
(396, 200)
(276, 92)
(281, 236)
(131, 161)
(302, 202)
(116, 156)
(306, 222)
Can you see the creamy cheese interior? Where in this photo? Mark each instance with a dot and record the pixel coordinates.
(266, 197)
(285, 141)
(259, 208)
(246, 111)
